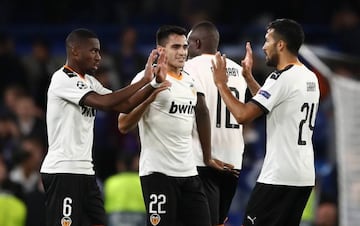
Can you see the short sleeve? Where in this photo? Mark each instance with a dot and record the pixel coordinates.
(190, 69)
(138, 77)
(273, 92)
(98, 87)
(71, 88)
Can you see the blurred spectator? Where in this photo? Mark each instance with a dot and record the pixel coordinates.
(107, 138)
(12, 69)
(102, 75)
(123, 196)
(9, 138)
(28, 159)
(26, 173)
(40, 65)
(29, 118)
(128, 60)
(346, 25)
(12, 208)
(107, 71)
(326, 214)
(6, 185)
(10, 96)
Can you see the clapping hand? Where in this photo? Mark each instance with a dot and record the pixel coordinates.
(160, 69)
(219, 69)
(247, 62)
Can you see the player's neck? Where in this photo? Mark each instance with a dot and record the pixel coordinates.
(283, 63)
(174, 70)
(74, 68)
(175, 73)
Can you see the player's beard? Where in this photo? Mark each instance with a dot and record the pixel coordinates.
(90, 72)
(273, 60)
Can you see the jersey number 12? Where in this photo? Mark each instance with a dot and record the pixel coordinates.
(227, 112)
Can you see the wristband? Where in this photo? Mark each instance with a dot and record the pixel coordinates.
(155, 84)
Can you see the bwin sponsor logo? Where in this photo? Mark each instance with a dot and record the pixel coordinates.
(182, 108)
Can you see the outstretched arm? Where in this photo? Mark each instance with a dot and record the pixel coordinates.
(127, 122)
(247, 64)
(127, 98)
(242, 112)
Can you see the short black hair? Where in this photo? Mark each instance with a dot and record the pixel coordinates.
(78, 35)
(289, 31)
(165, 31)
(208, 33)
(206, 25)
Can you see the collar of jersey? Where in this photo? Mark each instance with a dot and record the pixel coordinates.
(174, 75)
(69, 68)
(208, 54)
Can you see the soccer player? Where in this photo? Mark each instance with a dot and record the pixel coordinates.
(226, 133)
(72, 195)
(289, 98)
(172, 189)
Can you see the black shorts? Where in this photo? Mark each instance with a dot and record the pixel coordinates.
(174, 200)
(276, 205)
(74, 198)
(220, 188)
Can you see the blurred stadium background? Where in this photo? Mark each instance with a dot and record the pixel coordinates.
(32, 35)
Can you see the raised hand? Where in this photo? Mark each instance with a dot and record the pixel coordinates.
(219, 69)
(247, 62)
(149, 69)
(161, 68)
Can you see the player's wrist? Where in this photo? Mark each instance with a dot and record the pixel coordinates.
(154, 83)
(220, 85)
(207, 160)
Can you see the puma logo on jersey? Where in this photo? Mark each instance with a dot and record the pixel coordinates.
(251, 219)
(88, 111)
(181, 108)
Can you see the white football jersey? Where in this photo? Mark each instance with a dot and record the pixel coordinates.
(69, 123)
(165, 130)
(226, 133)
(291, 98)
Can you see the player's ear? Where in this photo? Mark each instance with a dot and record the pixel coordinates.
(198, 43)
(281, 45)
(74, 51)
